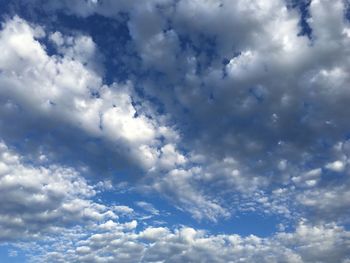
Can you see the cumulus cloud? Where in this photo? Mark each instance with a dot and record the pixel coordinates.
(67, 95)
(120, 242)
(42, 200)
(227, 107)
(69, 110)
(278, 92)
(337, 166)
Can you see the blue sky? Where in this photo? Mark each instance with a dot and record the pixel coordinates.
(174, 131)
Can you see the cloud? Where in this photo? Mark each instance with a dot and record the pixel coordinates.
(122, 209)
(39, 201)
(254, 111)
(71, 117)
(279, 93)
(68, 98)
(119, 242)
(328, 203)
(337, 166)
(148, 207)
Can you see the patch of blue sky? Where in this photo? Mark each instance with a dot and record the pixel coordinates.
(11, 254)
(241, 223)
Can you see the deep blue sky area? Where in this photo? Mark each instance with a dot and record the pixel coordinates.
(174, 131)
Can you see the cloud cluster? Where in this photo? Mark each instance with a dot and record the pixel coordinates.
(39, 201)
(226, 107)
(120, 242)
(257, 103)
(220, 107)
(71, 115)
(68, 98)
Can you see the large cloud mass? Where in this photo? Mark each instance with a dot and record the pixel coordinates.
(218, 108)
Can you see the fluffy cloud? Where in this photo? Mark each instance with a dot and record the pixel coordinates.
(37, 201)
(258, 107)
(69, 111)
(120, 242)
(66, 94)
(277, 92)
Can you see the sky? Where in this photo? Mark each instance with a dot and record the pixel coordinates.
(170, 131)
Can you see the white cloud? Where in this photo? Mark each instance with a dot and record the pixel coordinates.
(180, 187)
(279, 98)
(337, 166)
(62, 88)
(122, 209)
(327, 203)
(282, 93)
(148, 207)
(38, 201)
(309, 243)
(309, 178)
(62, 92)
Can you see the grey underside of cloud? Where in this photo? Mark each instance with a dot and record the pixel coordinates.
(255, 119)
